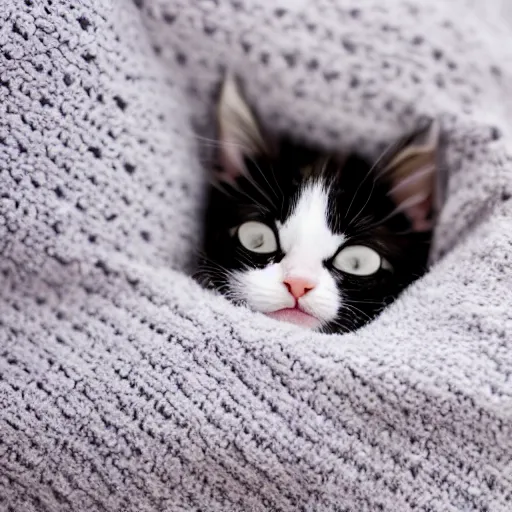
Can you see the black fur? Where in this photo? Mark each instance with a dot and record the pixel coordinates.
(359, 208)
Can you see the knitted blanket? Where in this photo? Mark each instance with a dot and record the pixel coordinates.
(124, 386)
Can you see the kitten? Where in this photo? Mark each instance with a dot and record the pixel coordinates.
(311, 238)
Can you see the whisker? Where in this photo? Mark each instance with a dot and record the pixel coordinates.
(246, 151)
(357, 310)
(366, 203)
(385, 152)
(276, 181)
(265, 178)
(350, 301)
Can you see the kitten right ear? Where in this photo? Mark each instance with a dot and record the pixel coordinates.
(240, 136)
(412, 174)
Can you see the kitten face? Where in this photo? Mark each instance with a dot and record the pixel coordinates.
(306, 237)
(298, 274)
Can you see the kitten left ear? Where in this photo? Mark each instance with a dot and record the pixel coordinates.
(240, 136)
(412, 174)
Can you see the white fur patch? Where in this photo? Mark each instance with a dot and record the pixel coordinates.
(307, 242)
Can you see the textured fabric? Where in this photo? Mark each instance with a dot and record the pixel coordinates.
(126, 387)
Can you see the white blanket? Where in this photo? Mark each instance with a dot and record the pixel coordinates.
(126, 387)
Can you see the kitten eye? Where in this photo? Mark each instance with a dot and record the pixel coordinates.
(257, 237)
(358, 260)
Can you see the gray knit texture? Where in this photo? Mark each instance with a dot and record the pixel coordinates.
(126, 387)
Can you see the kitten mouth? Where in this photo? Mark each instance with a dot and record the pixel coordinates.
(295, 316)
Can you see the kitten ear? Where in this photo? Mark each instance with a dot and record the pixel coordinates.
(240, 136)
(412, 174)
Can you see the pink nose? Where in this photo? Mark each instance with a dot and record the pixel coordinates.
(298, 286)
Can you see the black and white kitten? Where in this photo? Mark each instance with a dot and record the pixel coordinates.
(311, 238)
